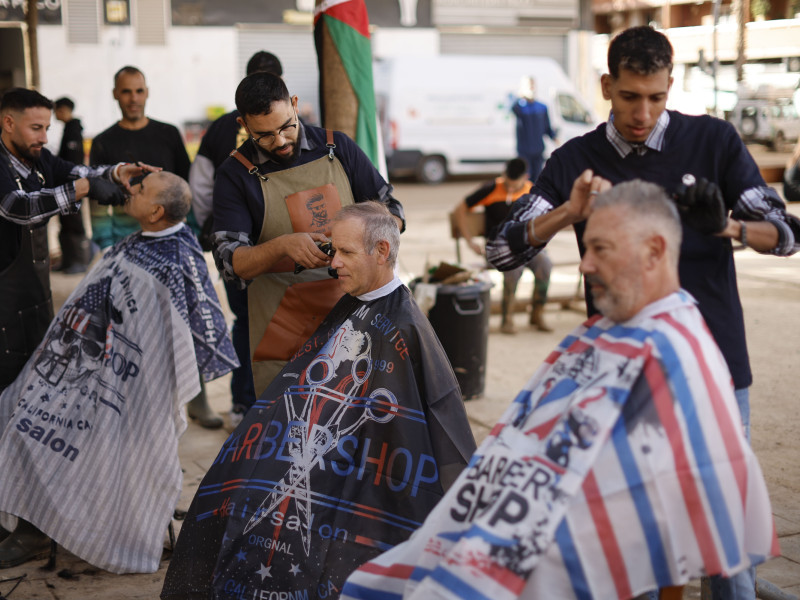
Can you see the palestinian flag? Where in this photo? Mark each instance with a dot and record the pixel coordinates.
(344, 54)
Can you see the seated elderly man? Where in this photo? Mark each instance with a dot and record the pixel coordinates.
(345, 453)
(621, 467)
(91, 424)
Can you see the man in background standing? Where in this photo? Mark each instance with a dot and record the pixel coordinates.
(533, 123)
(496, 197)
(222, 136)
(75, 251)
(134, 138)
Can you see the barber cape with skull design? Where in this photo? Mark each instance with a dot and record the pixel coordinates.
(90, 426)
(342, 457)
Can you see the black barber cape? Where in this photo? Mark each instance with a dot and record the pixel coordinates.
(341, 458)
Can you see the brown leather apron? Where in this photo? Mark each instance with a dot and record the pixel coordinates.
(284, 308)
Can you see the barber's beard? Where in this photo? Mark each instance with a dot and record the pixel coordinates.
(285, 160)
(28, 153)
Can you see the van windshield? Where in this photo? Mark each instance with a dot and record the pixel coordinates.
(571, 110)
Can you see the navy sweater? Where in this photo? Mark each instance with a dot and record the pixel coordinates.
(705, 147)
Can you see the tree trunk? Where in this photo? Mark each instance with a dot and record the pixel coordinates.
(742, 11)
(32, 19)
(337, 100)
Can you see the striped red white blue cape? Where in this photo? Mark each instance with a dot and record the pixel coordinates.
(620, 468)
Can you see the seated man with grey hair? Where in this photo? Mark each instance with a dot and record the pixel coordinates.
(90, 426)
(621, 467)
(344, 454)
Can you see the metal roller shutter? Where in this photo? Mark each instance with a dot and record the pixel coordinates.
(151, 22)
(552, 45)
(82, 18)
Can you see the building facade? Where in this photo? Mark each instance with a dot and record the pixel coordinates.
(194, 52)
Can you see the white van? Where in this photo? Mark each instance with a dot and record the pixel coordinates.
(451, 114)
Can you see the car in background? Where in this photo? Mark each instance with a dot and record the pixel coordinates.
(773, 122)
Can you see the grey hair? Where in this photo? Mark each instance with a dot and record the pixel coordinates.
(175, 197)
(379, 226)
(648, 206)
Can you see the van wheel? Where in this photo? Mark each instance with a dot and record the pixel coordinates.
(748, 127)
(431, 169)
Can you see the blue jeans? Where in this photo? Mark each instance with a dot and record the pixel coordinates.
(243, 393)
(741, 586)
(535, 164)
(743, 400)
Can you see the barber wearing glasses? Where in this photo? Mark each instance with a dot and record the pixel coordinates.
(273, 201)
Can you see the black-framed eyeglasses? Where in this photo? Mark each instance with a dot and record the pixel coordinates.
(268, 139)
(138, 179)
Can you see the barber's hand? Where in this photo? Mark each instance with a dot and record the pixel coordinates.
(581, 198)
(129, 171)
(106, 192)
(302, 249)
(701, 206)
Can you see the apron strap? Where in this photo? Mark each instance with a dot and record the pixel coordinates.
(330, 145)
(251, 168)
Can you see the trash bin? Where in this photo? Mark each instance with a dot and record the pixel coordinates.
(460, 319)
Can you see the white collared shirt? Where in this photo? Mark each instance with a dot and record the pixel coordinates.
(654, 141)
(163, 232)
(381, 291)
